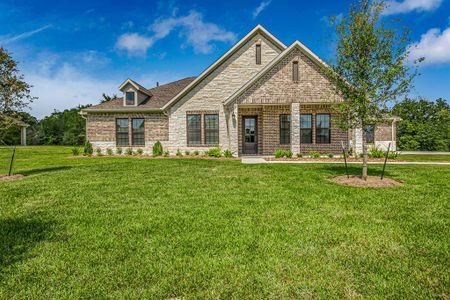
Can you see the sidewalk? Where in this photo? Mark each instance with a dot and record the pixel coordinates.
(251, 160)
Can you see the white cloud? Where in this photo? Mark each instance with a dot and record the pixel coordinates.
(261, 7)
(11, 39)
(198, 34)
(395, 7)
(434, 46)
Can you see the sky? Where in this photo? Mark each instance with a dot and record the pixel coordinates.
(73, 51)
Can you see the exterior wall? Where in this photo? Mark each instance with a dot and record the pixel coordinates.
(216, 88)
(101, 130)
(278, 87)
(385, 133)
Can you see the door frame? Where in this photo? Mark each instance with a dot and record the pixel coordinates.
(256, 135)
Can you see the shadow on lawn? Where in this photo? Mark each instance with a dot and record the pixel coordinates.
(356, 170)
(18, 236)
(45, 170)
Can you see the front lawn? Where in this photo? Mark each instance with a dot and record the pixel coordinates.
(190, 228)
(425, 157)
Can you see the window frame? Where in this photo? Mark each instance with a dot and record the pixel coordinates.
(126, 98)
(134, 133)
(258, 54)
(207, 131)
(118, 133)
(323, 129)
(373, 134)
(283, 138)
(295, 71)
(310, 129)
(190, 131)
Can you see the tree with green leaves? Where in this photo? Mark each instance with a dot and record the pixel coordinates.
(371, 69)
(107, 98)
(14, 91)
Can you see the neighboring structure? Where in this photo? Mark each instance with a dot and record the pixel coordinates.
(258, 97)
(23, 131)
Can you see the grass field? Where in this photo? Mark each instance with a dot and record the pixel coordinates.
(192, 228)
(425, 157)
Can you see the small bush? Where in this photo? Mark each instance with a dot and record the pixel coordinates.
(214, 152)
(393, 155)
(330, 155)
(75, 151)
(109, 151)
(376, 153)
(179, 153)
(119, 151)
(228, 153)
(314, 154)
(129, 151)
(140, 151)
(166, 154)
(195, 153)
(279, 153)
(299, 155)
(187, 153)
(288, 153)
(88, 150)
(98, 151)
(157, 149)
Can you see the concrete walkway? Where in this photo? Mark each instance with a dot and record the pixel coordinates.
(251, 160)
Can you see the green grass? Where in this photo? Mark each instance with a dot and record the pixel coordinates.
(425, 157)
(192, 228)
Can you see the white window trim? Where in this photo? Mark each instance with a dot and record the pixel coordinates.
(125, 97)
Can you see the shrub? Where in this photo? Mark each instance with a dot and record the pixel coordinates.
(179, 153)
(228, 153)
(129, 151)
(330, 155)
(288, 153)
(299, 155)
(119, 151)
(187, 153)
(214, 152)
(279, 153)
(314, 154)
(195, 153)
(75, 151)
(376, 153)
(393, 155)
(140, 151)
(98, 151)
(109, 151)
(157, 149)
(166, 154)
(88, 150)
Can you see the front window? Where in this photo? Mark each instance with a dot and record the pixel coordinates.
(122, 132)
(370, 134)
(194, 130)
(306, 129)
(258, 54)
(323, 135)
(211, 129)
(129, 98)
(138, 132)
(295, 71)
(285, 129)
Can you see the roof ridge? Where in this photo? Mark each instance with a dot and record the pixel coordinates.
(161, 85)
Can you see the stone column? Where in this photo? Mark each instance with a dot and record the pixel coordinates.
(233, 128)
(23, 136)
(357, 141)
(295, 128)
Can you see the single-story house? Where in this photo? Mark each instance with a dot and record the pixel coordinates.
(259, 96)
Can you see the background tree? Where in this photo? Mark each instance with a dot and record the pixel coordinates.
(371, 67)
(425, 125)
(106, 98)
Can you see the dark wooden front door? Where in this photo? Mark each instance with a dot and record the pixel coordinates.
(249, 135)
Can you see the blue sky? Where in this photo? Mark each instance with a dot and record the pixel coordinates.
(73, 51)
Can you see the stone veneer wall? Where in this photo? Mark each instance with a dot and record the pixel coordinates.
(101, 129)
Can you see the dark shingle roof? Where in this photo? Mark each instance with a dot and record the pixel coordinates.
(160, 96)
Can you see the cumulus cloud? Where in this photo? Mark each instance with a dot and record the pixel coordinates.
(263, 5)
(198, 34)
(406, 6)
(10, 39)
(434, 46)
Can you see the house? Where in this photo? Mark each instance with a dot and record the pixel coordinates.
(258, 97)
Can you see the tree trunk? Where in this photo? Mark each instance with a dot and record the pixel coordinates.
(364, 148)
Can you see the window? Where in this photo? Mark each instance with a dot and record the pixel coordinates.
(258, 54)
(285, 129)
(211, 129)
(122, 132)
(129, 97)
(323, 129)
(295, 71)
(370, 134)
(138, 132)
(194, 135)
(306, 129)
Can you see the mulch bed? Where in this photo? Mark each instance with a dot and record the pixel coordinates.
(150, 156)
(4, 177)
(372, 181)
(325, 159)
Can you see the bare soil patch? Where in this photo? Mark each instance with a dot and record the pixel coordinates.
(372, 181)
(4, 177)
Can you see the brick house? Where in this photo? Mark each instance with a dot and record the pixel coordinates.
(259, 96)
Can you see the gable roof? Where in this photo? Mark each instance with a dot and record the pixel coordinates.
(160, 96)
(136, 86)
(258, 29)
(296, 45)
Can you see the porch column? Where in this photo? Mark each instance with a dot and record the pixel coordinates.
(357, 141)
(295, 128)
(23, 136)
(233, 129)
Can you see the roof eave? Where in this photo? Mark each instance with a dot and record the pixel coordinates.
(120, 110)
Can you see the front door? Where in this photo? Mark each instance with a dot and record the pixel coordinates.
(250, 137)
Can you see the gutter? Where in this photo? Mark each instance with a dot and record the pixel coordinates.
(130, 110)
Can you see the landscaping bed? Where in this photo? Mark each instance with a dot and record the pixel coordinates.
(327, 159)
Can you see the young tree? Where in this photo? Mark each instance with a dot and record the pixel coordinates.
(107, 98)
(14, 91)
(371, 68)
